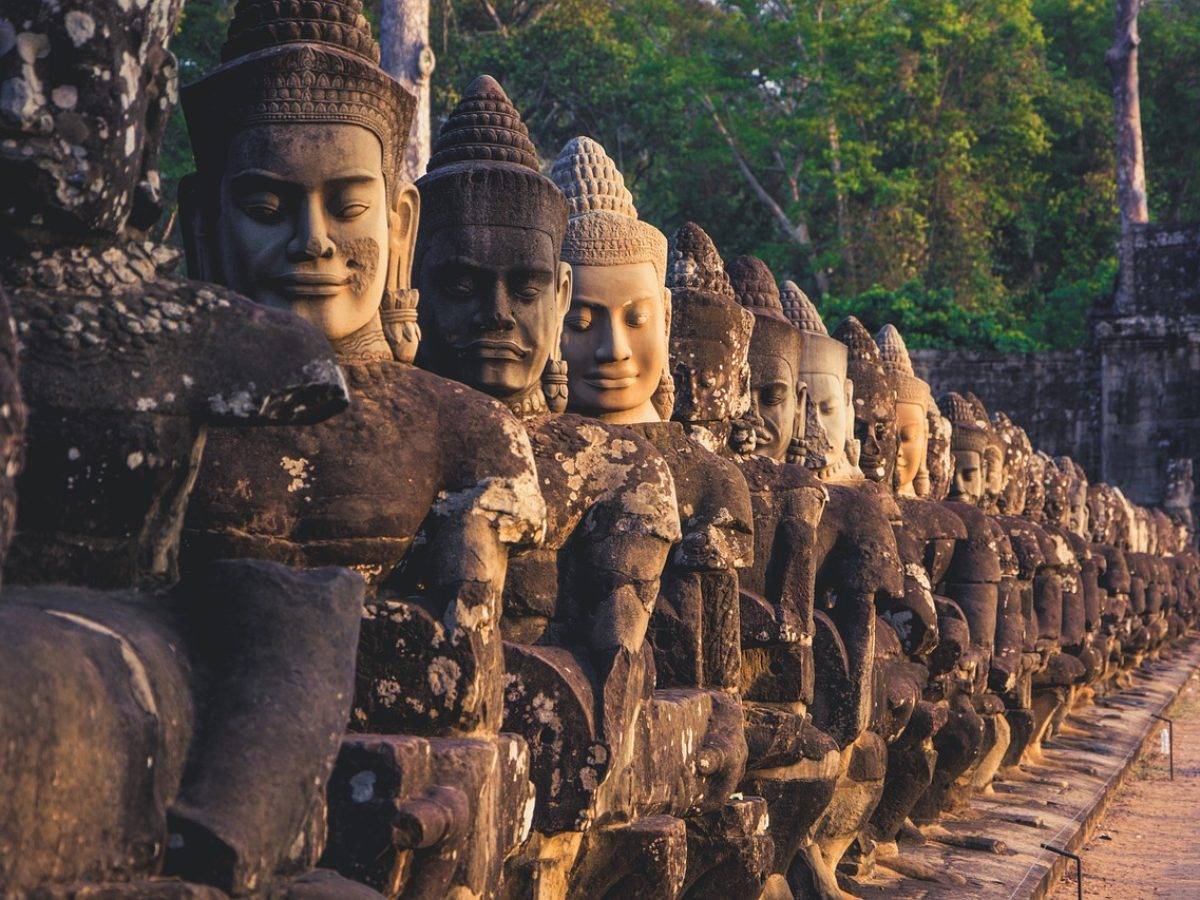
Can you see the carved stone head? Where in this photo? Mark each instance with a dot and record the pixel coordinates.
(913, 402)
(779, 395)
(1058, 494)
(1180, 492)
(1017, 451)
(993, 456)
(939, 458)
(85, 93)
(874, 402)
(298, 201)
(710, 335)
(615, 337)
(1077, 493)
(1164, 531)
(1035, 487)
(831, 449)
(967, 444)
(1123, 523)
(493, 288)
(1099, 514)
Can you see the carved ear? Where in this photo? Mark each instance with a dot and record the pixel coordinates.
(800, 428)
(196, 228)
(403, 218)
(566, 279)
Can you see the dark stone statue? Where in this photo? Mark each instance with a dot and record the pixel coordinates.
(423, 486)
(576, 610)
(154, 728)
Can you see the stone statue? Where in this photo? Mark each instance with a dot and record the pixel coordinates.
(166, 728)
(615, 346)
(971, 582)
(1030, 544)
(923, 532)
(858, 558)
(800, 773)
(576, 610)
(830, 449)
(423, 486)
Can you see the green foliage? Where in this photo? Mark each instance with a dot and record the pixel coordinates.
(931, 318)
(944, 163)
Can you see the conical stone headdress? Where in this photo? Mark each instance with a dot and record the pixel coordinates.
(819, 354)
(966, 434)
(484, 170)
(704, 302)
(799, 309)
(755, 289)
(898, 366)
(295, 61)
(754, 286)
(864, 363)
(603, 228)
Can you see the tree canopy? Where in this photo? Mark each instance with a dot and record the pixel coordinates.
(943, 164)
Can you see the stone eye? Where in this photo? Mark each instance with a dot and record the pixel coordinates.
(579, 319)
(262, 208)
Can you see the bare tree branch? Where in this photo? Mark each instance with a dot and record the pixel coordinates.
(797, 233)
(495, 16)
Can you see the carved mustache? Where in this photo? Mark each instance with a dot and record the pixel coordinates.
(484, 346)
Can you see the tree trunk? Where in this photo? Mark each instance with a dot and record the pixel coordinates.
(408, 57)
(1122, 62)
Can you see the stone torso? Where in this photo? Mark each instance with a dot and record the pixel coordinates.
(599, 481)
(695, 629)
(124, 370)
(355, 491)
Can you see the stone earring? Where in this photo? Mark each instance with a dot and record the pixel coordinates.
(554, 384)
(663, 399)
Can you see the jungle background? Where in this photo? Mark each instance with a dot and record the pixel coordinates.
(945, 165)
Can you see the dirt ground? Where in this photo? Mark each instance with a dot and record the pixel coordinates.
(1148, 843)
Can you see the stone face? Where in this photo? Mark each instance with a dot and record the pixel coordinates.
(158, 726)
(661, 589)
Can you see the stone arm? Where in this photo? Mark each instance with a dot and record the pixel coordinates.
(858, 566)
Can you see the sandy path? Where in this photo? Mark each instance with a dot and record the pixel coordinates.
(1148, 844)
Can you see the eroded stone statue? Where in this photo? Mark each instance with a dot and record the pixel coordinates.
(615, 345)
(141, 740)
(576, 610)
(423, 486)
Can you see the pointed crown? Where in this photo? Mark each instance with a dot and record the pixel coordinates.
(603, 228)
(798, 308)
(297, 61)
(898, 366)
(701, 296)
(966, 434)
(755, 288)
(484, 170)
(819, 354)
(693, 264)
(258, 24)
(858, 341)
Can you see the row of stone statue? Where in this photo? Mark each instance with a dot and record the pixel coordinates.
(665, 591)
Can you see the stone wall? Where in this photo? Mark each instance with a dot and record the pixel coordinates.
(1128, 402)
(1147, 342)
(1051, 394)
